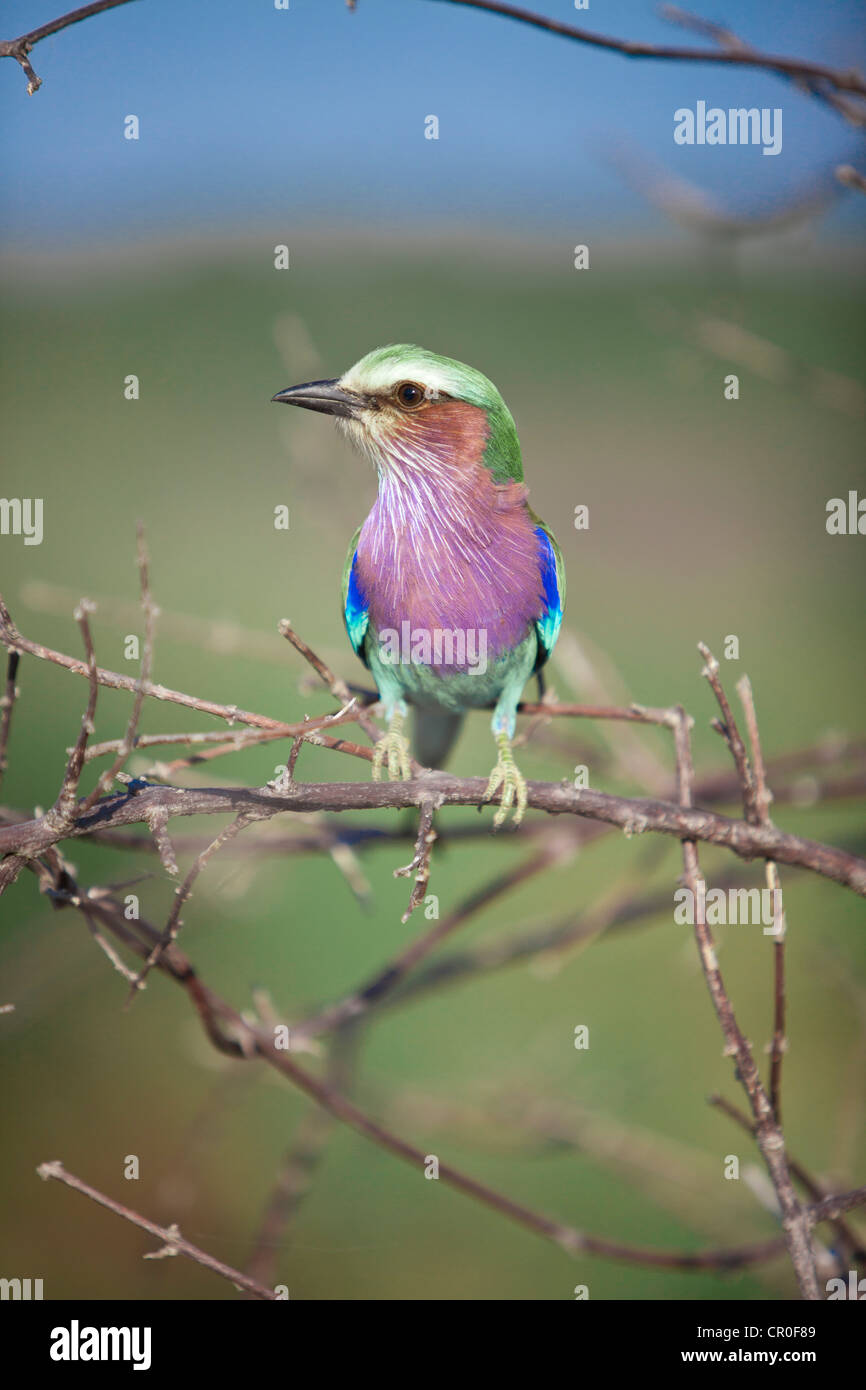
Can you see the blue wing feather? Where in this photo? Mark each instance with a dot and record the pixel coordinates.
(356, 610)
(553, 585)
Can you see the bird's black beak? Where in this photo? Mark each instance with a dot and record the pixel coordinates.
(326, 396)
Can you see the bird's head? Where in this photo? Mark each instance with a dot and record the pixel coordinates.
(410, 410)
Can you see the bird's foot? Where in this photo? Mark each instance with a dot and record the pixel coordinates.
(508, 776)
(392, 751)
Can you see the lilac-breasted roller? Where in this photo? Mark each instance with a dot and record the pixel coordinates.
(453, 589)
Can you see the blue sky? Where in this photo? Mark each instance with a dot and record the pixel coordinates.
(251, 115)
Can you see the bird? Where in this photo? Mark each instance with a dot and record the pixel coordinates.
(453, 589)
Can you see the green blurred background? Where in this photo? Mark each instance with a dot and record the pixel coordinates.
(706, 519)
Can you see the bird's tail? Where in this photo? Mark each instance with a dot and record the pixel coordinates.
(434, 733)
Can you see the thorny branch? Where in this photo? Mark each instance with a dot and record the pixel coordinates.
(768, 1132)
(238, 1036)
(34, 843)
(633, 815)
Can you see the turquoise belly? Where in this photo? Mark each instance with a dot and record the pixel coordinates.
(447, 688)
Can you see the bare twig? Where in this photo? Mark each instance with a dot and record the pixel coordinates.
(335, 684)
(804, 789)
(420, 862)
(829, 1208)
(246, 1040)
(149, 610)
(300, 1164)
(630, 48)
(851, 110)
(10, 636)
(633, 815)
(20, 47)
(632, 714)
(767, 1131)
(338, 687)
(173, 1242)
(106, 946)
(242, 738)
(6, 704)
(35, 842)
(624, 908)
(157, 820)
(592, 674)
(846, 1235)
(756, 801)
(763, 798)
(220, 635)
(851, 177)
(182, 894)
(385, 981)
(62, 813)
(10, 868)
(731, 734)
(574, 1241)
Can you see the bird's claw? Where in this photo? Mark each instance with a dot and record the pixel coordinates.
(508, 776)
(392, 751)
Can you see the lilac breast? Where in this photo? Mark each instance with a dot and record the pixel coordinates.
(456, 553)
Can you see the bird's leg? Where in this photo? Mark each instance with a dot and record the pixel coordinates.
(508, 776)
(392, 749)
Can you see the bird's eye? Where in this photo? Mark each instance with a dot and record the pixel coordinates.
(409, 394)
